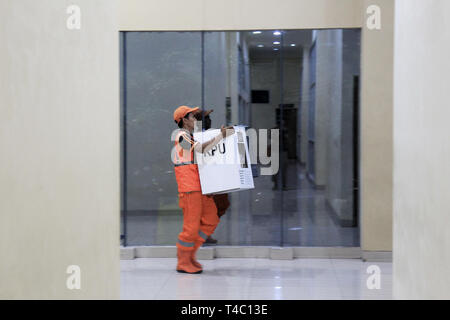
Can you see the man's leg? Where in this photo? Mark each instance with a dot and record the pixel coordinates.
(208, 223)
(222, 204)
(191, 203)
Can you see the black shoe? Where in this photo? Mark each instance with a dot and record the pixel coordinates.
(182, 271)
(210, 240)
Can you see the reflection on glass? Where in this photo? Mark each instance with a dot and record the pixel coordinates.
(306, 85)
(241, 150)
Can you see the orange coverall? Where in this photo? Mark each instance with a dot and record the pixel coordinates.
(200, 217)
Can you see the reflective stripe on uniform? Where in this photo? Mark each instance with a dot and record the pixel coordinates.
(186, 244)
(202, 234)
(184, 163)
(183, 156)
(186, 170)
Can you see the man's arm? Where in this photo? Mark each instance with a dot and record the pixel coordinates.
(224, 132)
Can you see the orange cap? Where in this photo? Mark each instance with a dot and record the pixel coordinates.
(181, 111)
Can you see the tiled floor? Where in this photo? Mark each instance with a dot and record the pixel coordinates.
(263, 279)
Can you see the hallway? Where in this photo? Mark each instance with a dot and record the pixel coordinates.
(248, 279)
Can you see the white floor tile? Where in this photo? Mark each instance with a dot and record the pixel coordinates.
(261, 279)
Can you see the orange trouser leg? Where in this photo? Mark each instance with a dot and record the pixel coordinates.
(209, 219)
(199, 221)
(191, 203)
(192, 210)
(194, 261)
(208, 223)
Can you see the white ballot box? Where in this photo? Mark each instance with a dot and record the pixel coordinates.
(226, 167)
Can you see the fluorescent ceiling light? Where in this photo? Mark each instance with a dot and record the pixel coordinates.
(260, 46)
(276, 49)
(276, 42)
(276, 33)
(256, 32)
(292, 44)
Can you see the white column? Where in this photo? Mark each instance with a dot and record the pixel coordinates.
(304, 106)
(421, 150)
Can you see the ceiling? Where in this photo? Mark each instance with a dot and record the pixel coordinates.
(266, 38)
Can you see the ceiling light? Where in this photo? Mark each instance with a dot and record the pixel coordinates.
(276, 42)
(256, 32)
(260, 46)
(276, 49)
(292, 44)
(276, 33)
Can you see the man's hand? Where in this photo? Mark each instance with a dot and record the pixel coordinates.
(226, 131)
(200, 112)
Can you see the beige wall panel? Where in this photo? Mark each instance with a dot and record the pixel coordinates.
(238, 15)
(59, 136)
(376, 131)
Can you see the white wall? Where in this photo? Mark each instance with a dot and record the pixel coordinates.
(59, 136)
(422, 150)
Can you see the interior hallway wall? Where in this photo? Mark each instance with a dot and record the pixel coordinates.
(305, 83)
(376, 134)
(265, 75)
(339, 178)
(422, 150)
(59, 136)
(216, 73)
(351, 70)
(238, 15)
(328, 103)
(233, 84)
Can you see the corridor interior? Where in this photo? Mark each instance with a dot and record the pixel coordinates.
(303, 83)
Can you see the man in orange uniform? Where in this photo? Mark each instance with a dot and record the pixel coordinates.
(199, 211)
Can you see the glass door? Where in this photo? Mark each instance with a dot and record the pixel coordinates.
(294, 90)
